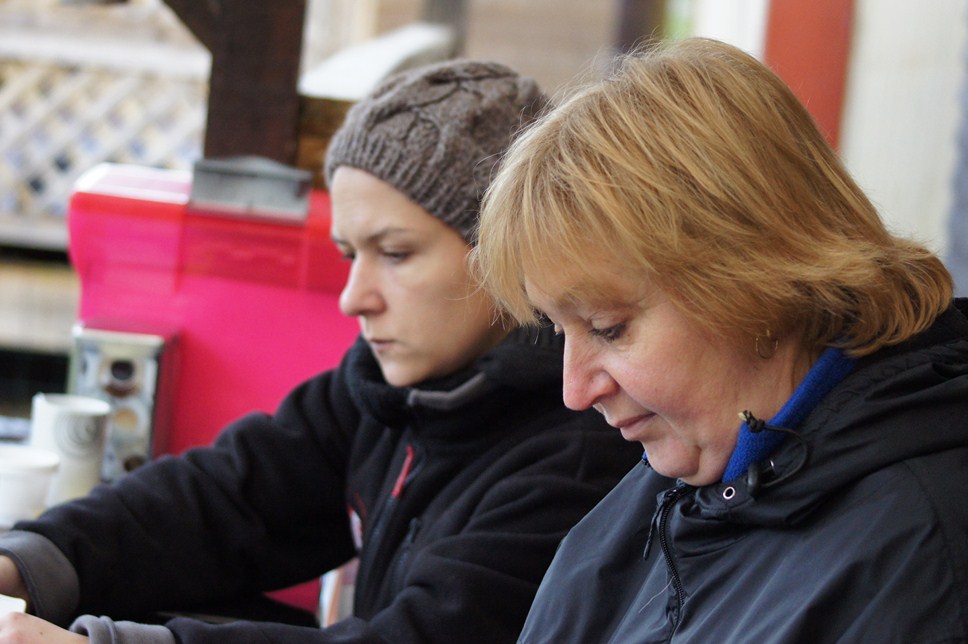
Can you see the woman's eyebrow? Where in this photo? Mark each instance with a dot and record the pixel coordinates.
(374, 237)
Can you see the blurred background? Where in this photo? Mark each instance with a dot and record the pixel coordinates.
(164, 84)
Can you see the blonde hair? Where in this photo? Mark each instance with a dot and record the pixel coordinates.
(695, 167)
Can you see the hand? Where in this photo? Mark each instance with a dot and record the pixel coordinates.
(11, 583)
(20, 628)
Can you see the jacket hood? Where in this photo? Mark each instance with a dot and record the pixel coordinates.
(898, 404)
(528, 360)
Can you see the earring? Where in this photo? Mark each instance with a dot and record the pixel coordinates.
(766, 345)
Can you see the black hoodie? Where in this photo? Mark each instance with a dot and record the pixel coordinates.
(866, 542)
(454, 495)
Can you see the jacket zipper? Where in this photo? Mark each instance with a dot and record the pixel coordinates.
(396, 575)
(660, 524)
(374, 547)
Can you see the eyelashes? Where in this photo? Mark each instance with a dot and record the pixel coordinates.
(393, 256)
(609, 334)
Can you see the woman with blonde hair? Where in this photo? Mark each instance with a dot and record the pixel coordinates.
(732, 301)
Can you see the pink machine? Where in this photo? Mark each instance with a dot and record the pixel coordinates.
(192, 316)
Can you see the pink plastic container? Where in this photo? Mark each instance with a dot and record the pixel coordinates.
(251, 304)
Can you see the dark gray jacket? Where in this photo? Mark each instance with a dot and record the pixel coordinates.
(868, 542)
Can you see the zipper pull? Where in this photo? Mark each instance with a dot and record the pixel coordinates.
(669, 497)
(648, 542)
(412, 530)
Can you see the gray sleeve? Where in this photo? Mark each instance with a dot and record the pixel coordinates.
(50, 578)
(103, 630)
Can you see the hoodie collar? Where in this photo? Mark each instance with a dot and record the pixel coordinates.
(527, 360)
(754, 444)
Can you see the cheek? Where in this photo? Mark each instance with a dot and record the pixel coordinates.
(665, 378)
(436, 278)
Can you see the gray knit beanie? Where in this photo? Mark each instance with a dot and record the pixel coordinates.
(436, 134)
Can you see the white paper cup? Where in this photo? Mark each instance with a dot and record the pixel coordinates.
(75, 427)
(26, 474)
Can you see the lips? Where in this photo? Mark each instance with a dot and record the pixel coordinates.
(378, 344)
(628, 422)
(633, 428)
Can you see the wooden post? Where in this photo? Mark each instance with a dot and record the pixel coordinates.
(452, 13)
(253, 106)
(637, 23)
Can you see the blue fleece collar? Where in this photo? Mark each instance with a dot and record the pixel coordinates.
(831, 368)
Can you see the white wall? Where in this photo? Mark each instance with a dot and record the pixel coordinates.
(738, 22)
(901, 112)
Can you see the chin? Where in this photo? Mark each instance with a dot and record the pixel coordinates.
(398, 377)
(408, 374)
(688, 475)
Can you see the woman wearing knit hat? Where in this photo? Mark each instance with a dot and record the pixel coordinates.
(439, 452)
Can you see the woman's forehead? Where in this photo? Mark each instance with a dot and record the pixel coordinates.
(590, 284)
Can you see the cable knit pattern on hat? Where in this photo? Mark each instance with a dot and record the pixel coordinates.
(436, 134)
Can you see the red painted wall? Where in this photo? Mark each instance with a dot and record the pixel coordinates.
(808, 44)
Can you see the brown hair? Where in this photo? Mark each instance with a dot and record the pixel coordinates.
(695, 167)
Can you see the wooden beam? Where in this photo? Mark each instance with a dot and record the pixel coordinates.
(637, 23)
(200, 18)
(449, 12)
(253, 106)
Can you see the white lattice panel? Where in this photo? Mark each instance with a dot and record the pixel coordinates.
(98, 89)
(56, 122)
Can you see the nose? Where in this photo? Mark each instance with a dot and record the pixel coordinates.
(360, 294)
(584, 381)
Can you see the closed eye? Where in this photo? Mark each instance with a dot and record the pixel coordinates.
(609, 334)
(395, 256)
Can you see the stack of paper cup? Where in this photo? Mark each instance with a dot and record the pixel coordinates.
(25, 477)
(75, 428)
